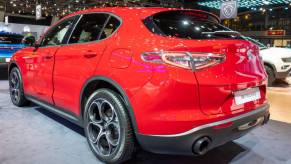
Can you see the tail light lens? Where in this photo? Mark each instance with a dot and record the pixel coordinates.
(186, 60)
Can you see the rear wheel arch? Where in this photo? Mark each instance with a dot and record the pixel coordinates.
(99, 82)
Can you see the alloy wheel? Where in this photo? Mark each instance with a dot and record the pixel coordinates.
(15, 86)
(103, 127)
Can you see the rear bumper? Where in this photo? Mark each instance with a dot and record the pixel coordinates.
(183, 143)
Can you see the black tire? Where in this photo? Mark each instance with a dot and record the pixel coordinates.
(271, 75)
(16, 88)
(111, 111)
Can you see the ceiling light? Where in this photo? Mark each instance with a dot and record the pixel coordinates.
(245, 3)
(185, 23)
(266, 2)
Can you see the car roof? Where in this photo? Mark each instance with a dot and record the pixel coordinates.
(142, 12)
(118, 10)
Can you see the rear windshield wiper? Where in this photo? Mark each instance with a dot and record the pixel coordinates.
(234, 33)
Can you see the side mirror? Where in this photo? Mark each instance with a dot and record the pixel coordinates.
(29, 40)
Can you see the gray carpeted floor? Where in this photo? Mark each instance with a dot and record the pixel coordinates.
(34, 136)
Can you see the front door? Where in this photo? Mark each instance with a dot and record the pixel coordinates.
(45, 59)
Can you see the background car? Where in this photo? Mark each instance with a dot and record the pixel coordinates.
(277, 61)
(9, 44)
(169, 80)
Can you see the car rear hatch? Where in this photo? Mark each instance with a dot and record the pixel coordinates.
(228, 69)
(241, 70)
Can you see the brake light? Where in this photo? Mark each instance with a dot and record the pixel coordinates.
(186, 60)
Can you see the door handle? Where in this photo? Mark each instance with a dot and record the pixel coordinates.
(90, 54)
(48, 57)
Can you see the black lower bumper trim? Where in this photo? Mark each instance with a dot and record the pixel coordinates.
(182, 144)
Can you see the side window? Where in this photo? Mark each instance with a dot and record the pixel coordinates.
(89, 28)
(110, 27)
(56, 35)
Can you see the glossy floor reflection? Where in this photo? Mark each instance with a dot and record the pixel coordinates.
(32, 135)
(280, 97)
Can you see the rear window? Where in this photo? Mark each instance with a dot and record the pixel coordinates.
(10, 39)
(186, 25)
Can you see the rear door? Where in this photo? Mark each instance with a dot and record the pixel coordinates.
(76, 62)
(44, 59)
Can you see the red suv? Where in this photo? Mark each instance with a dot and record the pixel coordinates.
(169, 80)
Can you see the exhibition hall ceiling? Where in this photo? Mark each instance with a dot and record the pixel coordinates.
(63, 7)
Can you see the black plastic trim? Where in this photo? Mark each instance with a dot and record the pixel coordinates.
(56, 110)
(123, 94)
(182, 144)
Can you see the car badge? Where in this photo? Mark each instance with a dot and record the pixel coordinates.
(250, 55)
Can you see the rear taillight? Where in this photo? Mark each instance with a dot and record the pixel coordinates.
(187, 60)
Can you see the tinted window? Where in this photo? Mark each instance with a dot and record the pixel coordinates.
(56, 35)
(110, 27)
(10, 39)
(186, 24)
(89, 28)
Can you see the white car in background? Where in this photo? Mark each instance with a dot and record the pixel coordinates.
(277, 61)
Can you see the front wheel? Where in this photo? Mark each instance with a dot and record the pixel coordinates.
(16, 88)
(108, 127)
